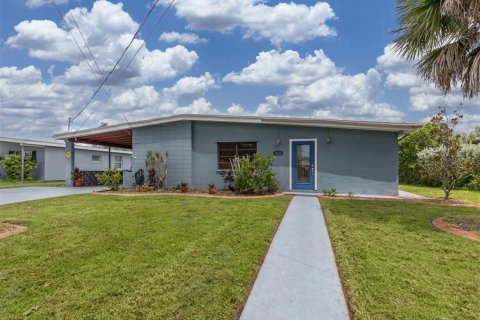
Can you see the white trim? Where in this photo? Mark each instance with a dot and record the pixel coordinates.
(400, 127)
(290, 161)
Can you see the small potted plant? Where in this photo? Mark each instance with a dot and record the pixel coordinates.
(212, 189)
(77, 177)
(184, 187)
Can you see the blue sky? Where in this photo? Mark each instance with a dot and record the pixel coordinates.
(303, 58)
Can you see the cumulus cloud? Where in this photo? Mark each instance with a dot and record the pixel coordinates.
(284, 68)
(189, 87)
(315, 88)
(236, 109)
(424, 96)
(185, 38)
(284, 22)
(108, 29)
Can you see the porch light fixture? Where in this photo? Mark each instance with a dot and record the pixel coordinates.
(328, 140)
(278, 141)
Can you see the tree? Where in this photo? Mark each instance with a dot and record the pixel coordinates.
(409, 147)
(444, 162)
(444, 35)
(157, 168)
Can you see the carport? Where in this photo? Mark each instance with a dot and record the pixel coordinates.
(116, 136)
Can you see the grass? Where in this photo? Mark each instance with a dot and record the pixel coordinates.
(434, 192)
(151, 257)
(395, 265)
(6, 184)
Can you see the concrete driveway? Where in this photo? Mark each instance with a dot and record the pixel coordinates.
(35, 193)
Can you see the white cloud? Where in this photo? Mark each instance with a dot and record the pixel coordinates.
(192, 86)
(284, 68)
(199, 106)
(32, 4)
(284, 22)
(424, 96)
(108, 29)
(267, 107)
(185, 38)
(236, 109)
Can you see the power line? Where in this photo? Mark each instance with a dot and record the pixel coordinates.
(78, 45)
(73, 38)
(86, 43)
(148, 36)
(118, 61)
(133, 57)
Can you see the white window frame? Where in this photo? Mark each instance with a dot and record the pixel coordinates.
(98, 155)
(290, 143)
(115, 162)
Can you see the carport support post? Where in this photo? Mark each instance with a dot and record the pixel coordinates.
(69, 162)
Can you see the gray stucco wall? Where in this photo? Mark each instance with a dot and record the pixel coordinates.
(363, 162)
(176, 139)
(55, 163)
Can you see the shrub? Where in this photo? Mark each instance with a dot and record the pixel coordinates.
(255, 176)
(13, 167)
(470, 155)
(110, 178)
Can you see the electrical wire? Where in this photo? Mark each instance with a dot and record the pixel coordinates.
(118, 60)
(146, 38)
(133, 57)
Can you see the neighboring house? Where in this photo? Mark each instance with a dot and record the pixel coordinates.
(310, 154)
(50, 157)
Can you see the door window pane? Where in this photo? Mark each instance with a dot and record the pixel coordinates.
(303, 163)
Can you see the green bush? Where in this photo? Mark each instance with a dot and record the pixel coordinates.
(409, 170)
(255, 176)
(12, 164)
(110, 178)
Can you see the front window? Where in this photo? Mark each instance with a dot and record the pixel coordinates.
(118, 162)
(228, 150)
(96, 158)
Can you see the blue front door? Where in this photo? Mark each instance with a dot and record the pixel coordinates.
(303, 165)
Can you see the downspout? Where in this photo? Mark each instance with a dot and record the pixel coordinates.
(109, 157)
(23, 162)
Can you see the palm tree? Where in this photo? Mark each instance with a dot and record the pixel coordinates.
(445, 36)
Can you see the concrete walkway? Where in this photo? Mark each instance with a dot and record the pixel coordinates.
(34, 193)
(299, 278)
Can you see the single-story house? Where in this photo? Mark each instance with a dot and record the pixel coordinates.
(50, 157)
(310, 154)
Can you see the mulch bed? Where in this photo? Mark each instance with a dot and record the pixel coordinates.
(192, 193)
(461, 226)
(8, 229)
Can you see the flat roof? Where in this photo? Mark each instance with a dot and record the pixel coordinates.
(38, 143)
(120, 135)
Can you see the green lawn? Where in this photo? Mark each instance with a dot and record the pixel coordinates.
(150, 257)
(395, 265)
(432, 192)
(4, 184)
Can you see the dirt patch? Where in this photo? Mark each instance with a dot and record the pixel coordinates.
(465, 227)
(8, 229)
